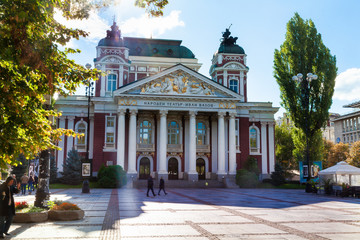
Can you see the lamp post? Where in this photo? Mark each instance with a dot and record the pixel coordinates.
(305, 87)
(89, 92)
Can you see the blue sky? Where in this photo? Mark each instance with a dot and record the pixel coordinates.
(260, 26)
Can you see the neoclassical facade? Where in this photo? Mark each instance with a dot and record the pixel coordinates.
(153, 113)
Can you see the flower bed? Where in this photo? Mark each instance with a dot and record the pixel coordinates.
(65, 211)
(29, 214)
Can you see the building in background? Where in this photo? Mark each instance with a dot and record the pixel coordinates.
(347, 127)
(153, 113)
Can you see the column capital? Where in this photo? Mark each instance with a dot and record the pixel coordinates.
(71, 118)
(163, 113)
(192, 113)
(232, 114)
(271, 123)
(263, 124)
(133, 111)
(221, 114)
(62, 118)
(121, 111)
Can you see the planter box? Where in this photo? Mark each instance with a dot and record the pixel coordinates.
(32, 217)
(66, 215)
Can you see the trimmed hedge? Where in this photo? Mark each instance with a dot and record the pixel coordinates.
(111, 177)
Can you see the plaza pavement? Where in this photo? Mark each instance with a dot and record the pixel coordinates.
(200, 214)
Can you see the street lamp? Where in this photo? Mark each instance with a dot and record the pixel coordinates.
(89, 92)
(305, 86)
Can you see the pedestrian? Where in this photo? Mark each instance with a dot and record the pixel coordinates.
(36, 178)
(162, 186)
(24, 181)
(150, 186)
(31, 184)
(7, 205)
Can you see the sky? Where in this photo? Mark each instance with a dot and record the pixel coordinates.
(260, 26)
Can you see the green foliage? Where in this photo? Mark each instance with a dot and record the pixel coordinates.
(316, 147)
(284, 146)
(152, 7)
(21, 168)
(304, 52)
(278, 176)
(354, 154)
(72, 169)
(111, 176)
(251, 164)
(246, 179)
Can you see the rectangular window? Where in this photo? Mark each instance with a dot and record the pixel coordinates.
(110, 137)
(111, 82)
(237, 141)
(110, 122)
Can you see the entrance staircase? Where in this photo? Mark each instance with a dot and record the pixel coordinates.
(140, 183)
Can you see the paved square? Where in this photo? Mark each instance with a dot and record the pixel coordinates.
(200, 214)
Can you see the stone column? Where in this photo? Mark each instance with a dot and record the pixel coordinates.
(70, 139)
(91, 139)
(242, 83)
(120, 154)
(103, 84)
(192, 173)
(232, 144)
(271, 147)
(214, 150)
(264, 157)
(60, 158)
(162, 172)
(121, 76)
(221, 145)
(132, 144)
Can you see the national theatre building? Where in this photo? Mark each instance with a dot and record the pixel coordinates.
(153, 113)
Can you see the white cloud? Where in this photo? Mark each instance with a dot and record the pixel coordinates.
(347, 85)
(95, 26)
(146, 27)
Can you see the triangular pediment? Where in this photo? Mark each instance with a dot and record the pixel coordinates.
(178, 81)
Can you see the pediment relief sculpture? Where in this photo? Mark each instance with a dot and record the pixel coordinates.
(177, 83)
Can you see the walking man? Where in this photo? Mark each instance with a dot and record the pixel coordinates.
(150, 186)
(162, 186)
(7, 205)
(24, 181)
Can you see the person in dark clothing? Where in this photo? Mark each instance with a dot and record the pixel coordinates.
(162, 186)
(7, 204)
(150, 186)
(36, 178)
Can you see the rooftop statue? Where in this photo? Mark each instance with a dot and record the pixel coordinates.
(227, 39)
(115, 32)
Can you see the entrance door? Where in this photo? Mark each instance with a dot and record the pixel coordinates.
(200, 168)
(173, 169)
(144, 171)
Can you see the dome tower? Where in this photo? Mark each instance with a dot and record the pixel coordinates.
(229, 65)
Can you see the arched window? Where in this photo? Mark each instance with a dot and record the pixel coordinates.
(201, 133)
(81, 141)
(234, 85)
(254, 136)
(145, 132)
(111, 82)
(173, 133)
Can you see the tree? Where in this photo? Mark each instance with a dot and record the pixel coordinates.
(33, 68)
(53, 169)
(340, 152)
(72, 168)
(303, 52)
(152, 7)
(284, 147)
(354, 154)
(328, 148)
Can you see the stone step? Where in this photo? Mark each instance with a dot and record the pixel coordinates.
(181, 184)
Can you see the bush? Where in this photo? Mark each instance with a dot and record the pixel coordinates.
(246, 179)
(111, 176)
(251, 164)
(278, 176)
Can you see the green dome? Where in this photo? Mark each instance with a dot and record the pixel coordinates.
(111, 42)
(231, 49)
